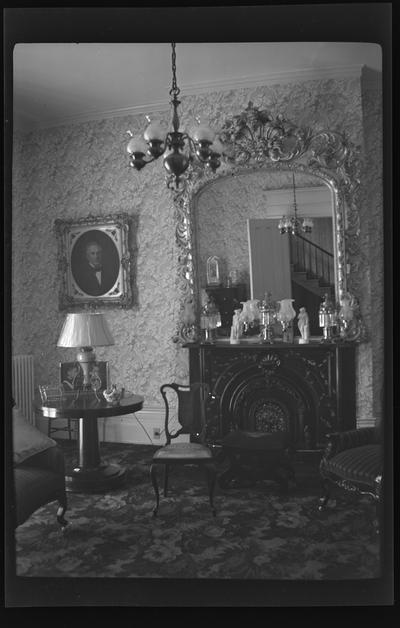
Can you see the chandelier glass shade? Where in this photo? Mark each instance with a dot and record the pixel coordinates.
(292, 223)
(179, 149)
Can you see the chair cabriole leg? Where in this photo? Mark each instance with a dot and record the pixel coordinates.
(323, 501)
(166, 475)
(62, 507)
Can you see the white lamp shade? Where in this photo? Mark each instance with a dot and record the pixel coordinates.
(85, 330)
(155, 131)
(202, 133)
(137, 145)
(286, 311)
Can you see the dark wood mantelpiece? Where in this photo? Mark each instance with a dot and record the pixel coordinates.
(306, 389)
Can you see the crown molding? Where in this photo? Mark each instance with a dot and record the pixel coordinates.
(275, 78)
(192, 89)
(92, 116)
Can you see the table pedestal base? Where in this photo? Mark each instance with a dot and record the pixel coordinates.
(97, 480)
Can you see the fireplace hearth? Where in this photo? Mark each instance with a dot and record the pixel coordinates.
(305, 390)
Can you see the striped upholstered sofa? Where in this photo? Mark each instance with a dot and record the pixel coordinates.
(353, 461)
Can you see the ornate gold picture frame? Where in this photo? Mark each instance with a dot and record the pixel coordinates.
(255, 141)
(94, 261)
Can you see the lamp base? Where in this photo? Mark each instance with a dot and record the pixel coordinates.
(85, 356)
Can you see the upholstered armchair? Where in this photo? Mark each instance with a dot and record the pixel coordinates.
(353, 461)
(39, 476)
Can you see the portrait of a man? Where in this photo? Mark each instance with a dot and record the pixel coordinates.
(95, 263)
(94, 260)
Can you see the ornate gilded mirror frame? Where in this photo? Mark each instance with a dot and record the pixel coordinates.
(254, 140)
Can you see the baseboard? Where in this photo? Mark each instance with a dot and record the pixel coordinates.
(135, 428)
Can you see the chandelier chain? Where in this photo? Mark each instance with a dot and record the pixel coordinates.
(174, 89)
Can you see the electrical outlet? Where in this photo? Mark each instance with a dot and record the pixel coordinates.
(156, 432)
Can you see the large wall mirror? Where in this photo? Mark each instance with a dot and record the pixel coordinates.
(237, 219)
(270, 162)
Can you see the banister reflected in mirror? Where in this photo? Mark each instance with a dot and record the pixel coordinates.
(262, 155)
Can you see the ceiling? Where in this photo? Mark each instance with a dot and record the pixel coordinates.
(62, 83)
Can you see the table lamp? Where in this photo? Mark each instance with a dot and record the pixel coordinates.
(327, 318)
(84, 330)
(267, 318)
(285, 316)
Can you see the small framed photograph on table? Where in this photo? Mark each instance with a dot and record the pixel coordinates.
(71, 376)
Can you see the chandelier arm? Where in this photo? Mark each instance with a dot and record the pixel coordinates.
(202, 154)
(191, 142)
(138, 160)
(175, 140)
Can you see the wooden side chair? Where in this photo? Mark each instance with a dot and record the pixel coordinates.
(190, 415)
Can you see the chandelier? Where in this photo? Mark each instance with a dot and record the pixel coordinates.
(180, 149)
(293, 224)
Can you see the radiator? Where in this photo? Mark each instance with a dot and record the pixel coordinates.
(23, 384)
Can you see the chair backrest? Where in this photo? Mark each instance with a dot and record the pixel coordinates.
(189, 409)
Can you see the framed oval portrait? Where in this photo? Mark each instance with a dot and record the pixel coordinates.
(94, 261)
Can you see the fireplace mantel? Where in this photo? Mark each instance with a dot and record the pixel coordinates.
(308, 389)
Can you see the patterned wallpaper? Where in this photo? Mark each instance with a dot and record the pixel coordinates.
(372, 236)
(82, 169)
(76, 171)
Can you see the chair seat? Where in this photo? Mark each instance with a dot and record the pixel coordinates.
(187, 403)
(182, 451)
(261, 441)
(359, 464)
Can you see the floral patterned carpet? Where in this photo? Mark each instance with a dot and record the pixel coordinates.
(257, 533)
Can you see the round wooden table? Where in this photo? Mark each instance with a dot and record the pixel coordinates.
(91, 475)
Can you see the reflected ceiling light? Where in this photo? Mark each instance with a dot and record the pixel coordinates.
(293, 224)
(179, 148)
